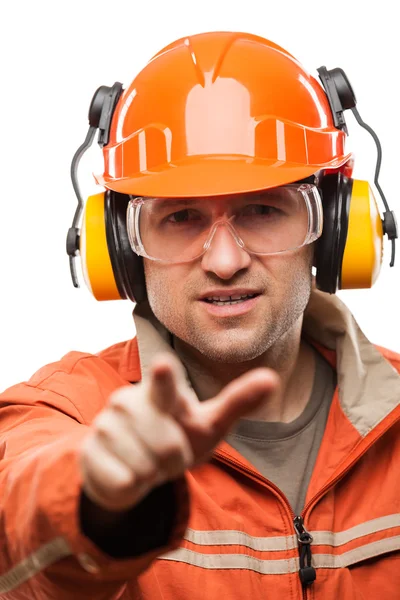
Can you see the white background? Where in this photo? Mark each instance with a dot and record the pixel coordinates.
(54, 55)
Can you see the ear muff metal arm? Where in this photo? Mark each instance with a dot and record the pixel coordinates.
(73, 237)
(100, 114)
(389, 222)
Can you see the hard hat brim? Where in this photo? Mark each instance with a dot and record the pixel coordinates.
(214, 176)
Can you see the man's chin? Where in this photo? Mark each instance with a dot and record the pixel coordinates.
(230, 348)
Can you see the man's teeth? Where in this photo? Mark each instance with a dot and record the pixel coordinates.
(221, 300)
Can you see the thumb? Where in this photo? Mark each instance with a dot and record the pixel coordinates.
(240, 397)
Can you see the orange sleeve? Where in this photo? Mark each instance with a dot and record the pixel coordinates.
(44, 552)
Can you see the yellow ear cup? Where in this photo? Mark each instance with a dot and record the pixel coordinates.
(96, 263)
(362, 257)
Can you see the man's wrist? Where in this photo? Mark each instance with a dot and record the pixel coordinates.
(133, 532)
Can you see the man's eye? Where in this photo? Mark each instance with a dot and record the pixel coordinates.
(183, 216)
(259, 209)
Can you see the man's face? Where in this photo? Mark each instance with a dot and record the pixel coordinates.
(282, 282)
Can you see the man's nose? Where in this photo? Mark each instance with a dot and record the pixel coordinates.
(224, 256)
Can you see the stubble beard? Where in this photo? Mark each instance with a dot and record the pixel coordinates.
(235, 343)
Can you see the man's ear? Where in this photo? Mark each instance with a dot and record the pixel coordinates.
(313, 265)
(314, 261)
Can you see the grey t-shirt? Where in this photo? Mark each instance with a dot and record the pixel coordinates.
(285, 453)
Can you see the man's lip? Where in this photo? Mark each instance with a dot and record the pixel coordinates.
(226, 292)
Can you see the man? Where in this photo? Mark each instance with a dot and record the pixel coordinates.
(256, 453)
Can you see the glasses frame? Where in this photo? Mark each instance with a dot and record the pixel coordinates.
(309, 192)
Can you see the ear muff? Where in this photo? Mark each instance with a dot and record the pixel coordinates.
(111, 270)
(95, 258)
(127, 266)
(349, 251)
(341, 97)
(363, 252)
(336, 195)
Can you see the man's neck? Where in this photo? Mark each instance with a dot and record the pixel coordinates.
(291, 357)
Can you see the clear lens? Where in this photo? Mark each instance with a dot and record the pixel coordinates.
(267, 222)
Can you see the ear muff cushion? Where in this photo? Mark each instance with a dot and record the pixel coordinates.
(364, 246)
(127, 266)
(336, 195)
(97, 269)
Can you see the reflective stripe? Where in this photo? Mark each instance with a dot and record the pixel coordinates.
(233, 561)
(58, 549)
(34, 563)
(329, 538)
(232, 537)
(282, 566)
(329, 561)
(326, 538)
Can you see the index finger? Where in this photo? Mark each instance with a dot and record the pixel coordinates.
(164, 381)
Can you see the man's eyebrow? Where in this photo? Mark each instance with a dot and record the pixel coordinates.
(171, 202)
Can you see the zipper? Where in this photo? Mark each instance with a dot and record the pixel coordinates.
(307, 573)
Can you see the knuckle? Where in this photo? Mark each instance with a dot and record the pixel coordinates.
(172, 447)
(120, 399)
(122, 485)
(148, 472)
(169, 450)
(86, 449)
(102, 423)
(114, 483)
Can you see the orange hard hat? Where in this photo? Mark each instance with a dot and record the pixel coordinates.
(220, 113)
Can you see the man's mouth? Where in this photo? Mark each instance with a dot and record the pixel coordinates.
(225, 300)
